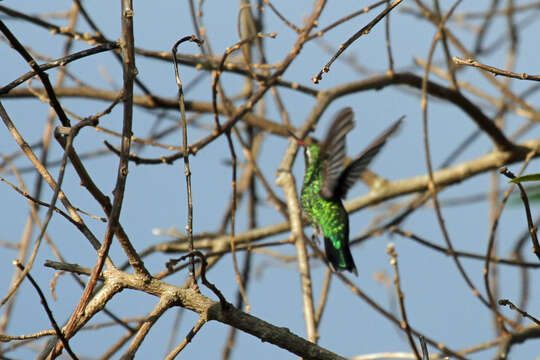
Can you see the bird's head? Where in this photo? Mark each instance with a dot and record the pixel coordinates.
(311, 149)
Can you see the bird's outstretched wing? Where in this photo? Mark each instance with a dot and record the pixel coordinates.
(354, 170)
(333, 151)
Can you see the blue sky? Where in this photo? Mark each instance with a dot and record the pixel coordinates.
(438, 301)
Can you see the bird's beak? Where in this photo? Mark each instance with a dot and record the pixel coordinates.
(298, 140)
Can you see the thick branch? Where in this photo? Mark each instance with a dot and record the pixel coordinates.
(207, 308)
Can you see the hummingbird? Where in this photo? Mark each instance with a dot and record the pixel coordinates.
(326, 183)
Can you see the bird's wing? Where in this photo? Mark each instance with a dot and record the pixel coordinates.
(354, 170)
(333, 151)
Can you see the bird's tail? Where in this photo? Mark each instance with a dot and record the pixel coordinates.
(339, 259)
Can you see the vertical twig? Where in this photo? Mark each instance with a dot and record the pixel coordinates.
(444, 40)
(390, 70)
(493, 218)
(174, 329)
(286, 181)
(391, 250)
(431, 185)
(425, 353)
(187, 171)
(216, 87)
(525, 278)
(252, 219)
(239, 280)
(499, 120)
(532, 229)
(129, 72)
(491, 244)
(324, 297)
(272, 197)
(478, 47)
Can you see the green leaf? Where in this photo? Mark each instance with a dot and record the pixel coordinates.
(533, 196)
(524, 178)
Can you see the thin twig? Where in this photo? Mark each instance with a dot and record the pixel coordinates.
(324, 297)
(129, 73)
(391, 250)
(47, 135)
(425, 354)
(99, 34)
(194, 330)
(344, 19)
(518, 337)
(174, 329)
(431, 184)
(57, 329)
(506, 302)
(224, 303)
(355, 290)
(364, 31)
(446, 251)
(51, 208)
(187, 171)
(42, 75)
(494, 70)
(278, 203)
(163, 305)
(47, 176)
(390, 70)
(253, 142)
(42, 203)
(63, 61)
(503, 88)
(373, 83)
(487, 21)
(40, 334)
(532, 229)
(216, 87)
(444, 40)
(282, 18)
(489, 251)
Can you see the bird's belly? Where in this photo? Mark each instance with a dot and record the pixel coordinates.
(329, 215)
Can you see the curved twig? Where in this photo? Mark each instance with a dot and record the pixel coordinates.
(185, 153)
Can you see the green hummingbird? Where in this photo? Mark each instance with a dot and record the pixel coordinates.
(326, 183)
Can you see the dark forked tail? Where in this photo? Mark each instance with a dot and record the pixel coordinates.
(339, 259)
